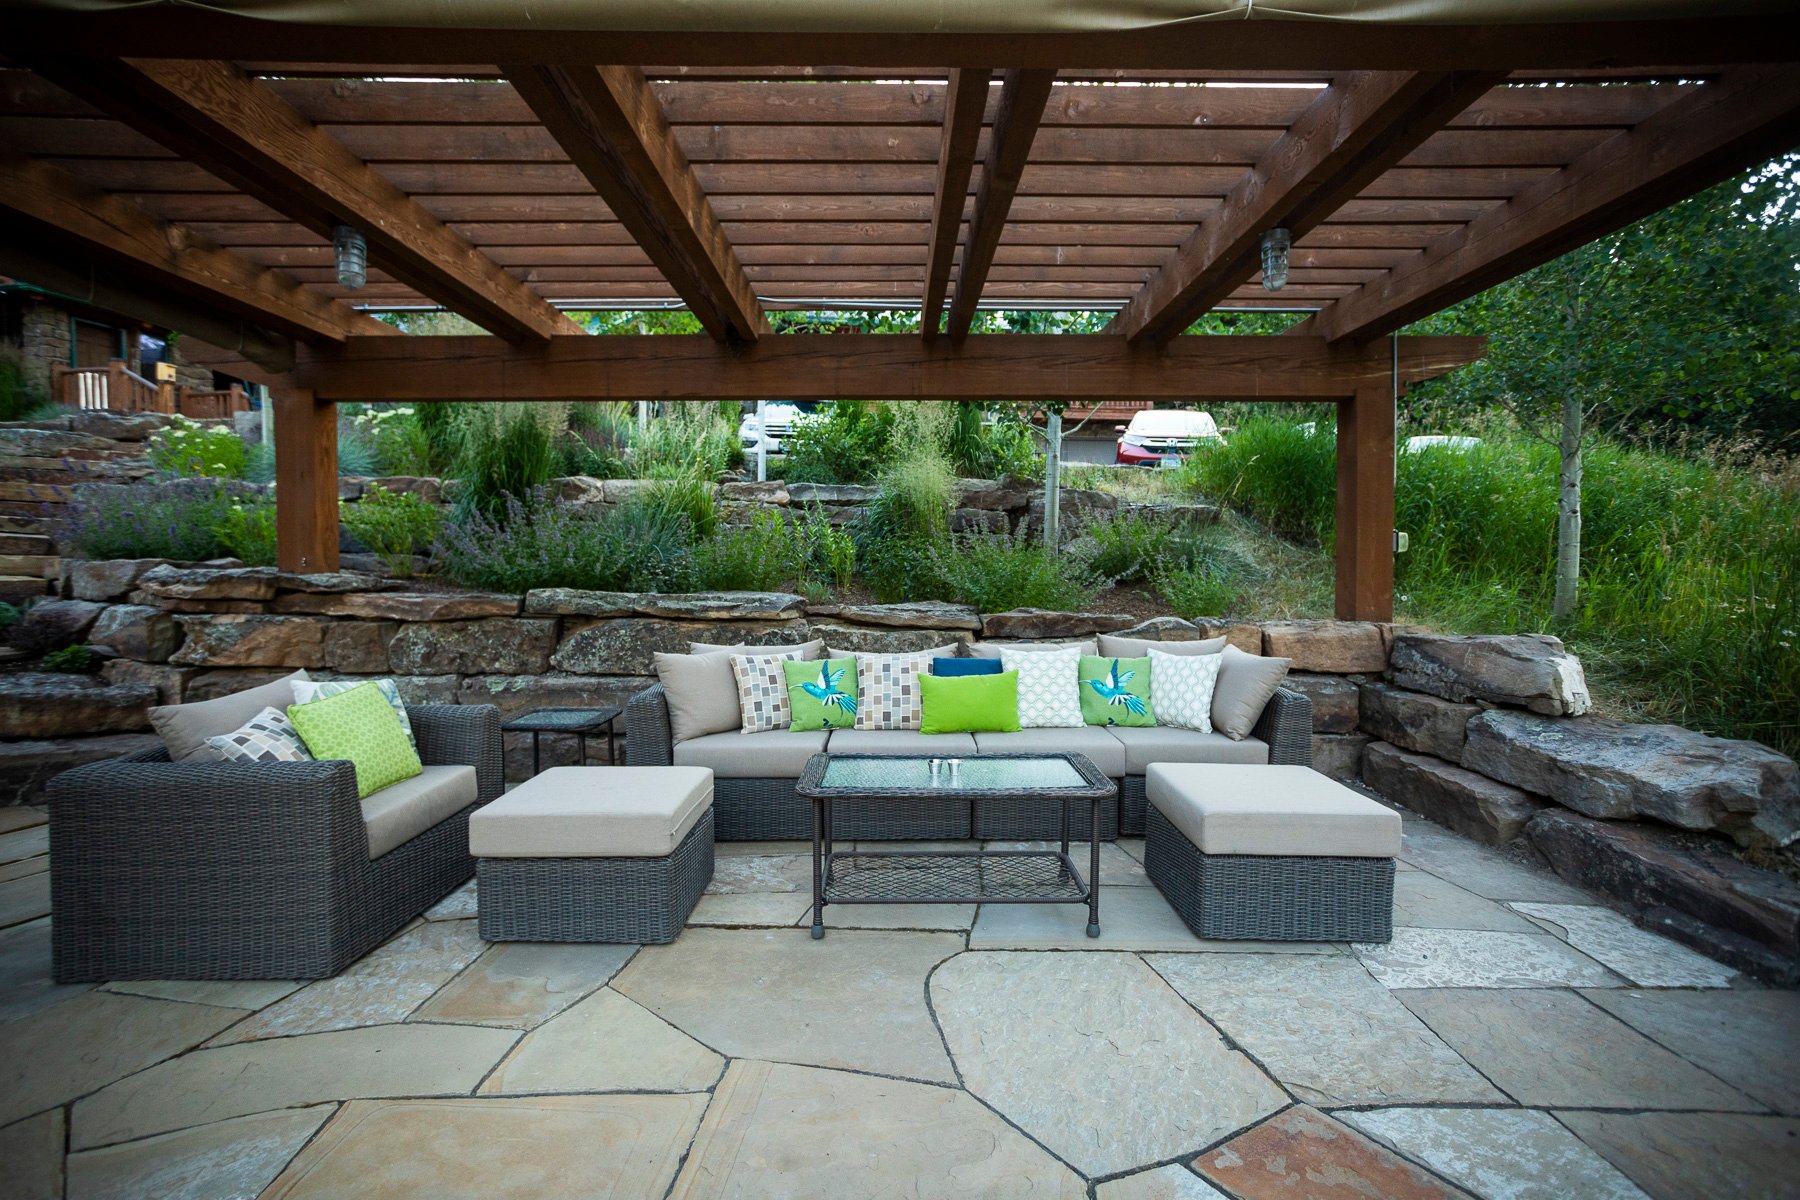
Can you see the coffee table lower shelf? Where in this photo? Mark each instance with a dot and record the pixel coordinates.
(951, 877)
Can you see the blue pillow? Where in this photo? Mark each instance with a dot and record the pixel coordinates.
(965, 666)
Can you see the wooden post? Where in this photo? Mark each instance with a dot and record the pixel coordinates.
(1365, 505)
(306, 482)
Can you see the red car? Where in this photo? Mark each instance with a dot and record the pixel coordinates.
(1164, 436)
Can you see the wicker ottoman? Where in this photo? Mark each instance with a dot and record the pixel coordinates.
(594, 854)
(1274, 853)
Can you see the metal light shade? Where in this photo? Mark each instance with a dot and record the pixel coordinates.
(1275, 246)
(352, 255)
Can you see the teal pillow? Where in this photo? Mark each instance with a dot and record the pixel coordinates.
(360, 727)
(969, 703)
(1115, 691)
(822, 693)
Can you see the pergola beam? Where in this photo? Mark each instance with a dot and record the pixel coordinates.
(965, 105)
(1023, 95)
(1354, 132)
(1704, 137)
(612, 127)
(206, 291)
(217, 117)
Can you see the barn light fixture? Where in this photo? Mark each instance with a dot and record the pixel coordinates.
(352, 256)
(1275, 246)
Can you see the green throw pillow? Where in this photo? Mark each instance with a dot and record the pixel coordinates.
(1115, 691)
(358, 725)
(822, 693)
(970, 703)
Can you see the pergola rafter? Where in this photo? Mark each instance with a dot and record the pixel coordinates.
(965, 106)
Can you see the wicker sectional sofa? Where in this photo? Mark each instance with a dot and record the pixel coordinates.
(754, 774)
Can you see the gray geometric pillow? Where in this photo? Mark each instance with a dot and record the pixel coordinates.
(763, 702)
(265, 738)
(887, 688)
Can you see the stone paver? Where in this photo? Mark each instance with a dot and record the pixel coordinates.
(761, 873)
(1327, 1031)
(1746, 1038)
(32, 1154)
(1448, 958)
(606, 1044)
(958, 917)
(37, 864)
(25, 899)
(235, 1158)
(1642, 957)
(383, 987)
(25, 984)
(1498, 1154)
(1305, 1155)
(25, 843)
(86, 1042)
(520, 985)
(855, 999)
(1164, 1183)
(248, 994)
(457, 906)
(1094, 1056)
(1554, 1049)
(733, 849)
(806, 1134)
(1697, 1156)
(1117, 868)
(250, 1077)
(624, 1147)
(1423, 901)
(749, 910)
(1479, 869)
(1131, 918)
(20, 816)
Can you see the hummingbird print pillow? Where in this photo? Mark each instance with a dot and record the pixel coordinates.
(822, 694)
(1115, 691)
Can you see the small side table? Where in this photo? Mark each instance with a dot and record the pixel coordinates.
(579, 721)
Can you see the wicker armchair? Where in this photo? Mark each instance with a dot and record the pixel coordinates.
(165, 870)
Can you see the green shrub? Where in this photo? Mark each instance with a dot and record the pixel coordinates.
(502, 450)
(248, 532)
(397, 442)
(686, 500)
(1209, 578)
(179, 520)
(19, 397)
(772, 551)
(984, 446)
(844, 441)
(12, 614)
(996, 572)
(188, 448)
(598, 440)
(71, 660)
(1275, 470)
(539, 542)
(688, 439)
(394, 525)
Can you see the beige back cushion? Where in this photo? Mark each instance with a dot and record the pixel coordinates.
(701, 690)
(993, 649)
(1113, 646)
(1246, 682)
(185, 727)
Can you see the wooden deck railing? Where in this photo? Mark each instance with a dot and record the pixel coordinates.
(117, 388)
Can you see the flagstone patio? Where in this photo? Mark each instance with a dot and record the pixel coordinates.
(1515, 1041)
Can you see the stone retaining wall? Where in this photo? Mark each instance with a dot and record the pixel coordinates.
(1486, 735)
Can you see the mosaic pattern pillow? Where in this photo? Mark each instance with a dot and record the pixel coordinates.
(1184, 688)
(265, 738)
(308, 690)
(762, 690)
(1049, 686)
(360, 727)
(887, 689)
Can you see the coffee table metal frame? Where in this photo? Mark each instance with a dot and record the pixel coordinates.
(582, 721)
(935, 876)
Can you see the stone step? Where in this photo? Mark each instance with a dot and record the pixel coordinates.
(44, 566)
(14, 588)
(25, 543)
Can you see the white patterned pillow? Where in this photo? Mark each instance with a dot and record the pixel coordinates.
(887, 689)
(763, 702)
(1182, 688)
(265, 738)
(1049, 686)
(308, 690)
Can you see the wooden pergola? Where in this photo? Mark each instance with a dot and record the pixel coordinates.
(193, 163)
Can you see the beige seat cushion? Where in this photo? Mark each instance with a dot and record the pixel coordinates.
(1163, 743)
(993, 649)
(1096, 743)
(1114, 646)
(702, 692)
(185, 727)
(402, 811)
(901, 741)
(775, 754)
(1283, 810)
(593, 812)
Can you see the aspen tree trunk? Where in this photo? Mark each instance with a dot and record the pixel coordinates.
(1568, 510)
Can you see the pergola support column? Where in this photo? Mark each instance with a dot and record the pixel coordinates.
(306, 472)
(1365, 505)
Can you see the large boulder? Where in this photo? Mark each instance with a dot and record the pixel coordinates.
(1414, 720)
(920, 614)
(250, 640)
(1616, 769)
(333, 582)
(1041, 624)
(358, 647)
(678, 606)
(578, 489)
(1523, 670)
(1245, 635)
(979, 520)
(773, 491)
(402, 606)
(228, 681)
(51, 443)
(25, 767)
(53, 624)
(863, 639)
(504, 645)
(43, 704)
(515, 694)
(209, 583)
(1164, 629)
(1474, 805)
(831, 493)
(170, 682)
(118, 426)
(1334, 700)
(627, 646)
(994, 495)
(1339, 755)
(138, 631)
(414, 689)
(1681, 886)
(1336, 647)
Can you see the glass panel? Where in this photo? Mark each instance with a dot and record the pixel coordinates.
(983, 772)
(564, 720)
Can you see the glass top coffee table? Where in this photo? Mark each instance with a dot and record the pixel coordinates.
(952, 876)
